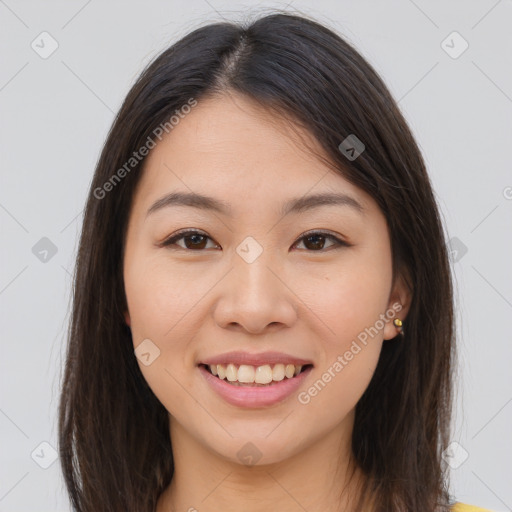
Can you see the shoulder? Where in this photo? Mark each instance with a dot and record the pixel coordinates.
(464, 507)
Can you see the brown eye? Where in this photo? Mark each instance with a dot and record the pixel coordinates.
(315, 241)
(197, 241)
(193, 240)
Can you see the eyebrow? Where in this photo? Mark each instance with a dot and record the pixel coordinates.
(296, 205)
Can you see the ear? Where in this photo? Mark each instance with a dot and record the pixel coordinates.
(398, 307)
(127, 318)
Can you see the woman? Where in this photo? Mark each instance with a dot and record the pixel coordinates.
(263, 306)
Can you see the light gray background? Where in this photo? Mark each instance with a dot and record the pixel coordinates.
(55, 114)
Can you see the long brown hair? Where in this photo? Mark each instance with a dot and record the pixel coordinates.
(114, 441)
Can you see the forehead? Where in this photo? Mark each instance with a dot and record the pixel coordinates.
(231, 148)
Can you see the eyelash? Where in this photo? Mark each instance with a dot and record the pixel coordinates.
(338, 243)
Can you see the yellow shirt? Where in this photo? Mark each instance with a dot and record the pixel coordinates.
(463, 507)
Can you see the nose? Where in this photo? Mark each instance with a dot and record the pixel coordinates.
(255, 297)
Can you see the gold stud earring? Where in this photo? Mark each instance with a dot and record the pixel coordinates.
(399, 325)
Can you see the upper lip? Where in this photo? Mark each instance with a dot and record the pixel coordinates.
(240, 357)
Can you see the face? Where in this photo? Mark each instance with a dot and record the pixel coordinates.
(254, 272)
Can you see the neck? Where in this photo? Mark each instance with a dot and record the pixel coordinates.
(321, 477)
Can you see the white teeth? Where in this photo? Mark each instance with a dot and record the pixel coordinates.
(231, 373)
(246, 373)
(263, 374)
(249, 374)
(278, 372)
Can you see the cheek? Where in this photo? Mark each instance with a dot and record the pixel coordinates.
(337, 387)
(350, 297)
(157, 309)
(349, 302)
(163, 302)
(159, 296)
(350, 306)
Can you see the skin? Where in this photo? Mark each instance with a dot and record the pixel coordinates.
(295, 298)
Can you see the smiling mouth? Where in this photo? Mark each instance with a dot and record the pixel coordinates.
(251, 376)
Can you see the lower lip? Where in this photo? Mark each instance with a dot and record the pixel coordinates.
(255, 396)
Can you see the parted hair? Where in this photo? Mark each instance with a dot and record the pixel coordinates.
(114, 442)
